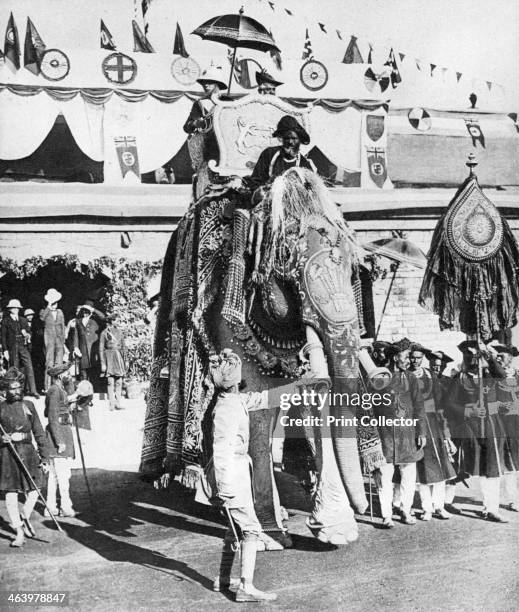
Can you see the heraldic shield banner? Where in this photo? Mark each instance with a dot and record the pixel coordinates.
(377, 166)
(375, 126)
(127, 155)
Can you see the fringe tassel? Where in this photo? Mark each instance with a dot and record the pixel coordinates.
(233, 309)
(373, 460)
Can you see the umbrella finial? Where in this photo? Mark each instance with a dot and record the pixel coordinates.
(471, 163)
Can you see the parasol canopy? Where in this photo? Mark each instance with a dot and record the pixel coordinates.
(237, 30)
(399, 250)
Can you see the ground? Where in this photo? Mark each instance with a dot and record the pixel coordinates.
(140, 549)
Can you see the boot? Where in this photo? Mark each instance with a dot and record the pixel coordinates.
(19, 541)
(224, 582)
(27, 527)
(247, 592)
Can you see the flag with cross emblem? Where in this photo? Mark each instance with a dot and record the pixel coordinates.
(377, 166)
(119, 68)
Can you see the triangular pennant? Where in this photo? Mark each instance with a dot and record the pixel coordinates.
(323, 28)
(370, 54)
(352, 55)
(458, 76)
(418, 64)
(489, 85)
(289, 12)
(339, 34)
(107, 40)
(271, 5)
(395, 73)
(12, 45)
(34, 48)
(179, 48)
(401, 56)
(140, 43)
(433, 66)
(307, 49)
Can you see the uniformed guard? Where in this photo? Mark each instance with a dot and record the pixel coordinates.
(60, 441)
(477, 424)
(402, 443)
(435, 468)
(20, 424)
(508, 395)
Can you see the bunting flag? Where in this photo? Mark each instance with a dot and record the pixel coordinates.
(12, 45)
(370, 54)
(307, 49)
(395, 73)
(34, 48)
(339, 34)
(458, 76)
(289, 12)
(418, 64)
(276, 55)
(489, 85)
(107, 40)
(352, 55)
(271, 5)
(401, 56)
(433, 66)
(145, 5)
(179, 48)
(323, 28)
(126, 147)
(140, 43)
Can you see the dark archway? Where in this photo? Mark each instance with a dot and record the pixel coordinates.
(76, 287)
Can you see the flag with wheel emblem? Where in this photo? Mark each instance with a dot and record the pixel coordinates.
(12, 45)
(33, 50)
(377, 166)
(107, 40)
(127, 155)
(475, 132)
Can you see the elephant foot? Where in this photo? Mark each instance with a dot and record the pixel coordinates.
(339, 534)
(276, 540)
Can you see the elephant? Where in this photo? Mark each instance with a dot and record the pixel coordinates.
(275, 283)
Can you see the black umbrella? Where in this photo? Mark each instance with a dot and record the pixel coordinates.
(400, 251)
(237, 31)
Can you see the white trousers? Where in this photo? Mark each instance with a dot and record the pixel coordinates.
(432, 496)
(59, 477)
(450, 493)
(490, 488)
(511, 490)
(13, 510)
(407, 488)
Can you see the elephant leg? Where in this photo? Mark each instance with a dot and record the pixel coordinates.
(265, 493)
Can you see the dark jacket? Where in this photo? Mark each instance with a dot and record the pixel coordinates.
(59, 426)
(11, 331)
(21, 417)
(399, 442)
(86, 339)
(271, 164)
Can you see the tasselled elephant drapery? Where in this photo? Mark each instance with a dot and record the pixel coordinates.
(266, 281)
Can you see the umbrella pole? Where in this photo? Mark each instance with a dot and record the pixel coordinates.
(387, 300)
(232, 70)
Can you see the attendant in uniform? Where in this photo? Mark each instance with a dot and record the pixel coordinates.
(402, 444)
(379, 353)
(273, 161)
(266, 83)
(479, 428)
(230, 479)
(60, 441)
(86, 336)
(508, 396)
(15, 338)
(438, 362)
(113, 357)
(435, 468)
(21, 423)
(53, 321)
